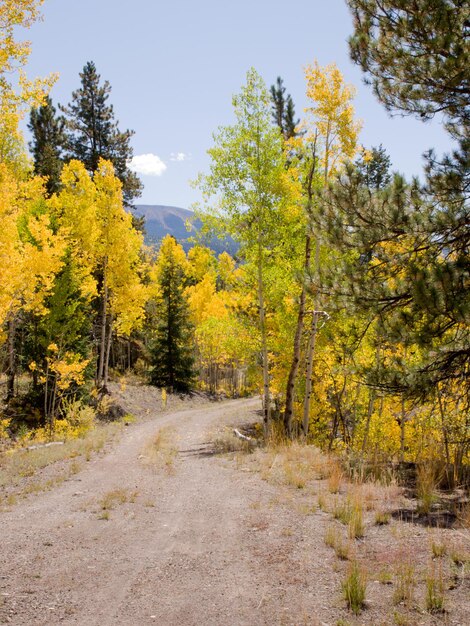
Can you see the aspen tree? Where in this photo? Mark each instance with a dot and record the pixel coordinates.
(329, 138)
(247, 181)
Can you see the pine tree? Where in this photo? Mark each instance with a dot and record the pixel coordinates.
(173, 346)
(374, 168)
(93, 133)
(283, 109)
(47, 144)
(416, 55)
(66, 324)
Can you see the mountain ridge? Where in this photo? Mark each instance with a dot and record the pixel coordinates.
(161, 220)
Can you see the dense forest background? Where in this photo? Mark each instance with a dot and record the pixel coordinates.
(345, 302)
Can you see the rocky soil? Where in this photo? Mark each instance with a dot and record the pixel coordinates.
(163, 530)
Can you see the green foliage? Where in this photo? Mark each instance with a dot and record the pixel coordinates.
(416, 54)
(172, 347)
(374, 168)
(66, 324)
(283, 110)
(354, 588)
(249, 187)
(48, 143)
(93, 133)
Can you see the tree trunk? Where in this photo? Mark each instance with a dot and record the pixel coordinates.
(370, 410)
(11, 358)
(372, 398)
(290, 388)
(107, 354)
(311, 350)
(294, 368)
(264, 346)
(445, 436)
(102, 346)
(308, 374)
(402, 430)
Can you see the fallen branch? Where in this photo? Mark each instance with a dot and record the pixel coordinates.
(45, 445)
(241, 435)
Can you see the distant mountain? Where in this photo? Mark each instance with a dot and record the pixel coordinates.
(163, 220)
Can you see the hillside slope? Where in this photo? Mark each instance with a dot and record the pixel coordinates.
(180, 223)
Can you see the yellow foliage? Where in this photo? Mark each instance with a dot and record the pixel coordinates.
(169, 248)
(204, 301)
(332, 115)
(69, 370)
(201, 262)
(227, 271)
(17, 92)
(100, 235)
(4, 426)
(30, 253)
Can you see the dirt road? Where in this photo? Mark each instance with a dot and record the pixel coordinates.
(202, 544)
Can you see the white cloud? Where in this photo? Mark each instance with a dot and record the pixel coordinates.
(147, 165)
(179, 156)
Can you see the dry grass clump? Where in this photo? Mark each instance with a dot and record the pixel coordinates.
(435, 593)
(116, 497)
(333, 539)
(342, 511)
(405, 582)
(438, 548)
(16, 465)
(459, 566)
(322, 502)
(374, 494)
(342, 549)
(385, 577)
(402, 620)
(160, 452)
(227, 441)
(459, 557)
(356, 528)
(330, 536)
(382, 518)
(349, 512)
(427, 480)
(464, 516)
(335, 479)
(354, 588)
(292, 463)
(113, 499)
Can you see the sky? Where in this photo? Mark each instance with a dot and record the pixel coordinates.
(175, 65)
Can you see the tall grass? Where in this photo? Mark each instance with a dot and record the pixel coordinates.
(354, 588)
